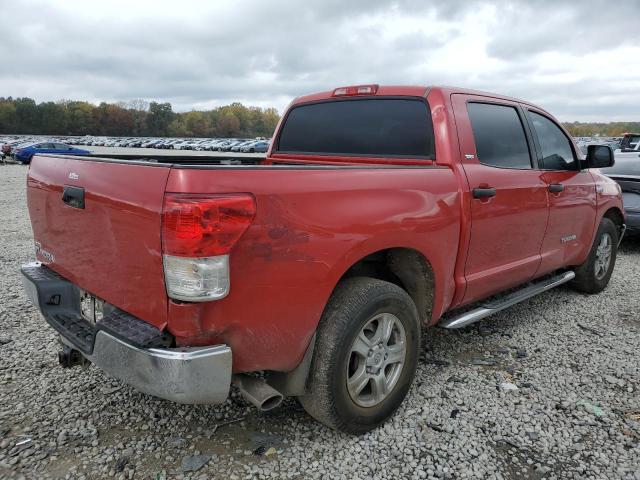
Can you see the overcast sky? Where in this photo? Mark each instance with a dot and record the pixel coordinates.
(580, 60)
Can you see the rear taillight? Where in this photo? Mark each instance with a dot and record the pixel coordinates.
(198, 231)
(202, 226)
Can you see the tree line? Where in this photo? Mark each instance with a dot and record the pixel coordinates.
(612, 129)
(140, 118)
(137, 118)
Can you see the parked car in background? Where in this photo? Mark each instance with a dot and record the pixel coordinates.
(207, 145)
(149, 142)
(626, 172)
(630, 141)
(181, 145)
(235, 145)
(238, 146)
(171, 143)
(221, 145)
(629, 147)
(231, 144)
(9, 145)
(260, 146)
(25, 153)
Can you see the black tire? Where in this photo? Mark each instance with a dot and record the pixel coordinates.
(354, 303)
(587, 280)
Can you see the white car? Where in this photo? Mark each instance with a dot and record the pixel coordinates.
(629, 147)
(182, 145)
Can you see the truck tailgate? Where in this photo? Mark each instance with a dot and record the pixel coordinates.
(111, 248)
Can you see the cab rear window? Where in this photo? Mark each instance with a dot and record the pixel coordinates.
(380, 127)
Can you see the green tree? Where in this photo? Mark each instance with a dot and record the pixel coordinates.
(52, 119)
(139, 110)
(117, 121)
(270, 119)
(80, 120)
(100, 118)
(26, 115)
(228, 125)
(198, 124)
(138, 118)
(178, 127)
(7, 116)
(160, 117)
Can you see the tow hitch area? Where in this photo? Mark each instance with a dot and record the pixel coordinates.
(70, 357)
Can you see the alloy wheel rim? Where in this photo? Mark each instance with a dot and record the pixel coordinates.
(603, 256)
(376, 360)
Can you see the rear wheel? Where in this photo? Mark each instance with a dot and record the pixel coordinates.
(365, 357)
(594, 274)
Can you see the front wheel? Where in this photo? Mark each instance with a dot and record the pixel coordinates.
(594, 274)
(365, 356)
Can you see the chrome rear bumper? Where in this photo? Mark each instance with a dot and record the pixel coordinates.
(196, 375)
(129, 349)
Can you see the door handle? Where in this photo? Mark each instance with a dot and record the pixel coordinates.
(73, 196)
(556, 187)
(487, 192)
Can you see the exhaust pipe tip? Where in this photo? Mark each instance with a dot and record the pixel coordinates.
(258, 392)
(272, 402)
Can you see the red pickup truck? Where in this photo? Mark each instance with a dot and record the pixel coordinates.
(376, 211)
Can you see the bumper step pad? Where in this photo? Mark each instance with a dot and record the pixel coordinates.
(133, 330)
(81, 333)
(59, 301)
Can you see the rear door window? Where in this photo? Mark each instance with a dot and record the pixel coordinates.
(380, 127)
(557, 153)
(499, 136)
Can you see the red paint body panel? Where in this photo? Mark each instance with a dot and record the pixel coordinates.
(506, 230)
(311, 226)
(316, 217)
(571, 212)
(112, 247)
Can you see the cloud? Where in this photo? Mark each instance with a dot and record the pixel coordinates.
(577, 61)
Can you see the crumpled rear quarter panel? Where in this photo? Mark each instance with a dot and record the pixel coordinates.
(311, 225)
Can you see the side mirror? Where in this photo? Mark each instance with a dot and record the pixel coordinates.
(600, 156)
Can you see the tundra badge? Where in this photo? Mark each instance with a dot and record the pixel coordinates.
(48, 256)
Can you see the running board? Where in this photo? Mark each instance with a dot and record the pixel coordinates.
(509, 300)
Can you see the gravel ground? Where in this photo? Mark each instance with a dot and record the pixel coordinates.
(548, 389)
